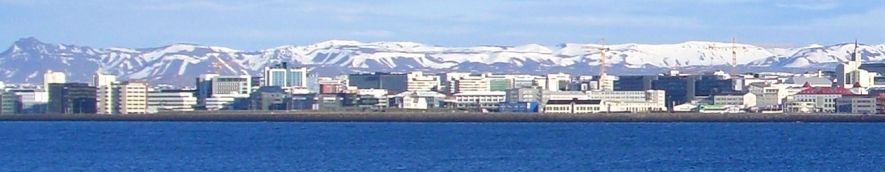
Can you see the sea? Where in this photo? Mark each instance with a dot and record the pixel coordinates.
(392, 146)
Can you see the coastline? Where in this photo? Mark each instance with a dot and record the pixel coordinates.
(313, 116)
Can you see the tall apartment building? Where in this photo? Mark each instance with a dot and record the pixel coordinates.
(285, 76)
(131, 97)
(104, 92)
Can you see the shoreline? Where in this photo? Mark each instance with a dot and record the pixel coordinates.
(449, 117)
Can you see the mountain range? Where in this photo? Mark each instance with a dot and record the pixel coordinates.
(28, 58)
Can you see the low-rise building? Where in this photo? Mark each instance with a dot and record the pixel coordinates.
(488, 100)
(171, 100)
(856, 104)
(741, 100)
(573, 106)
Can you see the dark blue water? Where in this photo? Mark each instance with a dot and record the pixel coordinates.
(185, 146)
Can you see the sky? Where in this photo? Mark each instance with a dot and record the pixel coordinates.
(255, 25)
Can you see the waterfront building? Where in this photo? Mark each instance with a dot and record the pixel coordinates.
(487, 100)
(573, 106)
(499, 83)
(10, 103)
(630, 101)
(171, 100)
(515, 95)
(741, 100)
(856, 104)
(72, 98)
(419, 81)
(823, 99)
(25, 100)
(418, 100)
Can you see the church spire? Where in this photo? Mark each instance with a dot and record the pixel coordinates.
(855, 56)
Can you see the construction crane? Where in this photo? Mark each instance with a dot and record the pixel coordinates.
(602, 49)
(733, 49)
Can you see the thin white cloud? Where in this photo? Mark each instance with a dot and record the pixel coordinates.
(810, 5)
(620, 21)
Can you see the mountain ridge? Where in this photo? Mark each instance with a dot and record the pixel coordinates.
(179, 63)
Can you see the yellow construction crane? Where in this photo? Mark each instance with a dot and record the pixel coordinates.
(733, 49)
(602, 49)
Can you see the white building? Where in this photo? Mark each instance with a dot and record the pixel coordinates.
(769, 95)
(554, 82)
(849, 73)
(171, 101)
(285, 76)
(823, 99)
(573, 106)
(631, 101)
(488, 100)
(472, 83)
(419, 81)
(104, 92)
(216, 92)
(418, 99)
(740, 100)
(51, 77)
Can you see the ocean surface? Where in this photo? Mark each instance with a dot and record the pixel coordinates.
(293, 146)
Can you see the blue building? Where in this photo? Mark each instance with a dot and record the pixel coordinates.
(679, 89)
(707, 85)
(633, 83)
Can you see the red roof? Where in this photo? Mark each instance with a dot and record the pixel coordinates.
(826, 90)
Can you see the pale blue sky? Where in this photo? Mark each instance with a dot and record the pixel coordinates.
(251, 25)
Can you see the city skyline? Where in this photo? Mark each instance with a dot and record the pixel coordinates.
(253, 26)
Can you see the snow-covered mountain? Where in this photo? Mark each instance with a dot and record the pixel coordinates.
(28, 58)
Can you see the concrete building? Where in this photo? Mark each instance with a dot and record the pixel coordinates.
(104, 84)
(741, 100)
(769, 95)
(51, 77)
(419, 81)
(131, 97)
(71, 98)
(488, 100)
(472, 83)
(215, 92)
(557, 82)
(523, 95)
(573, 106)
(171, 100)
(856, 105)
